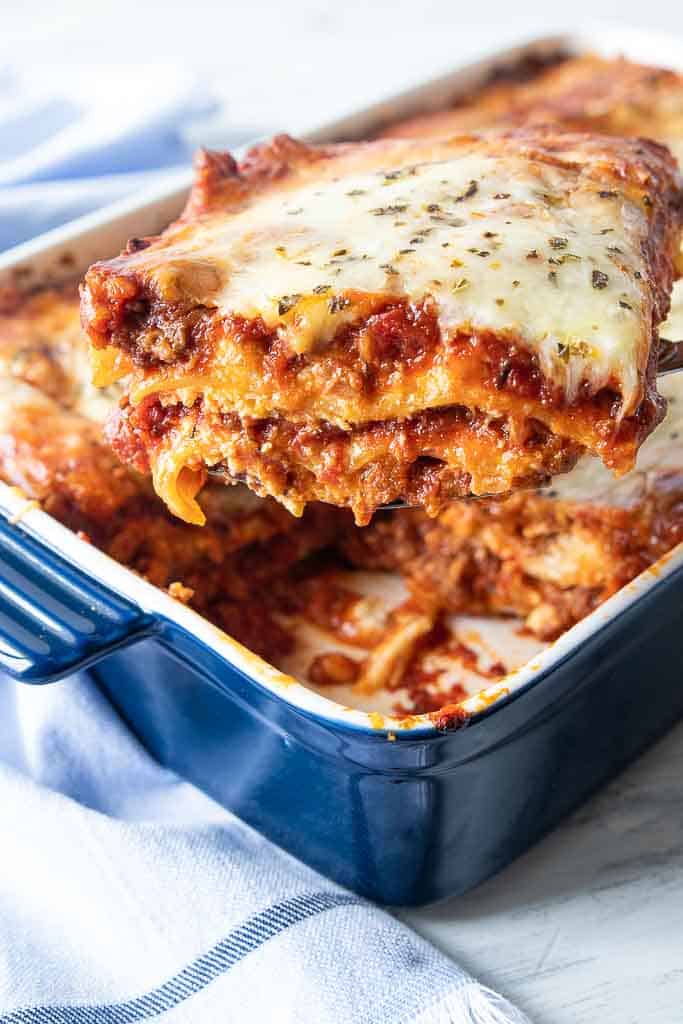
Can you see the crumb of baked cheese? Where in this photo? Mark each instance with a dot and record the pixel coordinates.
(180, 592)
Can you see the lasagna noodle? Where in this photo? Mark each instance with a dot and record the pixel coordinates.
(429, 458)
(519, 279)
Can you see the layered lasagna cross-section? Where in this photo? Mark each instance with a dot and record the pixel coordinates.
(412, 319)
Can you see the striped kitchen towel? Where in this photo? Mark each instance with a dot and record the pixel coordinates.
(126, 895)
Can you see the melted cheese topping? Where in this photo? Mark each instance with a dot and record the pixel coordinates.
(499, 244)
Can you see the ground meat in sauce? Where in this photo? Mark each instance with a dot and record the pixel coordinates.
(316, 462)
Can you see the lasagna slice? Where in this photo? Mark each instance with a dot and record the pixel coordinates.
(422, 320)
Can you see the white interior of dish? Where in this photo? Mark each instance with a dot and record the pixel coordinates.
(66, 251)
(492, 640)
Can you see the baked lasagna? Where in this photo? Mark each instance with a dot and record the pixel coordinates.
(586, 94)
(416, 320)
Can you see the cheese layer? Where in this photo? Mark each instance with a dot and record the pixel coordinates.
(481, 236)
(539, 242)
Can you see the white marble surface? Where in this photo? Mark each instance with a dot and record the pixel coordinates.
(587, 928)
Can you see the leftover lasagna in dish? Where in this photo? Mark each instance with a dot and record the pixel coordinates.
(377, 601)
(586, 94)
(416, 320)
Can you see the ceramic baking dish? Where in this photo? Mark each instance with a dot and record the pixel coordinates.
(403, 814)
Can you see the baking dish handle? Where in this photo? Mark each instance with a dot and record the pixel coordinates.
(54, 619)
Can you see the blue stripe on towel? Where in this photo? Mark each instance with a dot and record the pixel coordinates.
(201, 972)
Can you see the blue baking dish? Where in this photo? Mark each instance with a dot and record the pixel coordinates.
(404, 814)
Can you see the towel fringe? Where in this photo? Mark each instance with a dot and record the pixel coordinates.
(472, 1003)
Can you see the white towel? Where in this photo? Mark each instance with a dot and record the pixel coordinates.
(127, 895)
